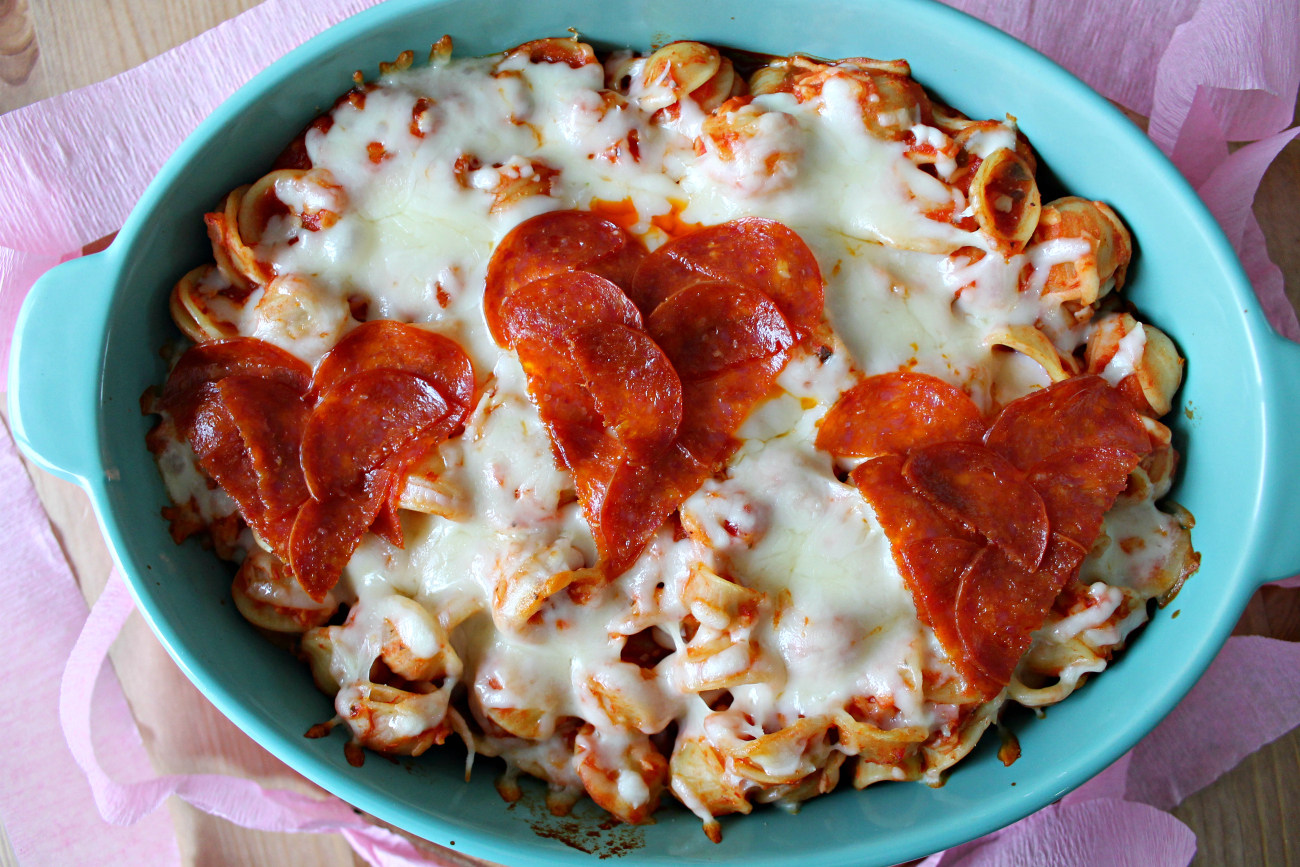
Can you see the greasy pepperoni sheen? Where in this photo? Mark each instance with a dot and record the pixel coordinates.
(209, 362)
(271, 418)
(756, 253)
(360, 424)
(904, 515)
(1079, 486)
(641, 497)
(932, 569)
(893, 413)
(326, 533)
(384, 343)
(711, 327)
(553, 243)
(1000, 604)
(973, 485)
(217, 443)
(634, 386)
(1079, 412)
(545, 309)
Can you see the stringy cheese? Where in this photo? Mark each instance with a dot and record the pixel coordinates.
(415, 232)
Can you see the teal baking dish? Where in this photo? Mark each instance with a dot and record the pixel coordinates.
(88, 335)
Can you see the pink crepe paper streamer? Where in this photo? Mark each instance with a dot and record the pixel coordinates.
(73, 171)
(1182, 62)
(1116, 817)
(1259, 678)
(1227, 183)
(1252, 92)
(83, 196)
(45, 804)
(86, 167)
(238, 800)
(1182, 52)
(1153, 55)
(1113, 45)
(1099, 833)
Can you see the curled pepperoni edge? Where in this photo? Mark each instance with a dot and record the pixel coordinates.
(750, 252)
(605, 249)
(893, 413)
(973, 485)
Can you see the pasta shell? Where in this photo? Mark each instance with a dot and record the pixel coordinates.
(1091, 276)
(197, 306)
(269, 597)
(1028, 340)
(1005, 198)
(414, 644)
(1160, 372)
(677, 69)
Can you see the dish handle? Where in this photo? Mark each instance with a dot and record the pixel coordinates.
(1281, 519)
(54, 369)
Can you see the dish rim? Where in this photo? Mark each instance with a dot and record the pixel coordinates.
(1085, 763)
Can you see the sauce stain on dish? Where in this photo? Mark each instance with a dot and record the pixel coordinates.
(588, 828)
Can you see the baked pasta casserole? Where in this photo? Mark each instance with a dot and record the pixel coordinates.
(672, 423)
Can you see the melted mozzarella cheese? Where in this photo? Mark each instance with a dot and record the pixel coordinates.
(436, 165)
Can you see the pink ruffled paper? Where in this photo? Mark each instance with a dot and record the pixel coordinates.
(73, 169)
(45, 803)
(237, 800)
(1206, 72)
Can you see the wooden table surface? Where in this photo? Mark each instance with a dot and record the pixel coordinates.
(1251, 816)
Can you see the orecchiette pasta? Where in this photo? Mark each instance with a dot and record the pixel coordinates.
(655, 430)
(1099, 263)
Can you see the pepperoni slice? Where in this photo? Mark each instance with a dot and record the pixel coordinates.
(711, 327)
(358, 425)
(973, 485)
(578, 431)
(545, 309)
(552, 243)
(755, 253)
(383, 343)
(245, 431)
(640, 498)
(1000, 604)
(1079, 486)
(327, 532)
(904, 515)
(634, 386)
(221, 452)
(731, 342)
(932, 569)
(1079, 412)
(537, 319)
(728, 345)
(893, 413)
(387, 524)
(1060, 565)
(715, 408)
(217, 359)
(271, 418)
(358, 442)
